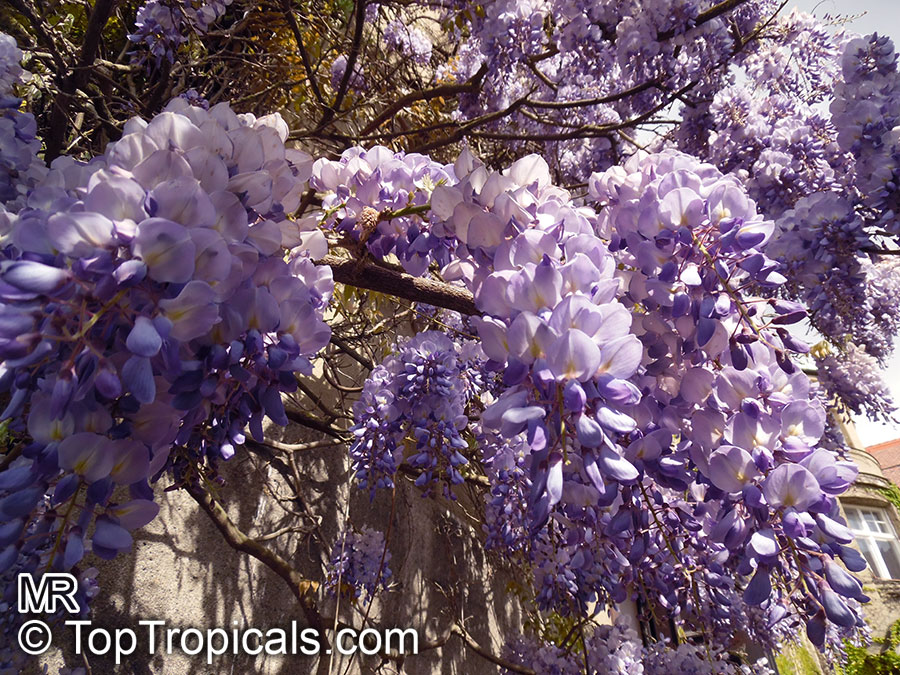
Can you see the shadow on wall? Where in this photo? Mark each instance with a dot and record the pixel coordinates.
(182, 572)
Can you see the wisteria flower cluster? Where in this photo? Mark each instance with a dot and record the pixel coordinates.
(798, 56)
(413, 409)
(617, 650)
(162, 26)
(359, 564)
(11, 71)
(570, 73)
(766, 128)
(750, 427)
(356, 82)
(408, 40)
(818, 243)
(20, 168)
(826, 179)
(621, 388)
(376, 198)
(853, 377)
(627, 390)
(866, 111)
(149, 318)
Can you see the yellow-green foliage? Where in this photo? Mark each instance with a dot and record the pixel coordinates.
(892, 494)
(861, 662)
(795, 660)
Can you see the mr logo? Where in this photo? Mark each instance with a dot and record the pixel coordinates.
(51, 588)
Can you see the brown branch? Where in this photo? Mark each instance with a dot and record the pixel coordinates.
(600, 100)
(589, 130)
(9, 457)
(401, 285)
(461, 131)
(355, 47)
(345, 347)
(880, 251)
(541, 75)
(485, 654)
(477, 480)
(458, 631)
(381, 136)
(302, 588)
(77, 78)
(298, 447)
(312, 423)
(330, 414)
(553, 50)
(469, 86)
(304, 56)
(704, 17)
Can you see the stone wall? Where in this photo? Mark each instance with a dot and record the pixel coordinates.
(181, 571)
(884, 607)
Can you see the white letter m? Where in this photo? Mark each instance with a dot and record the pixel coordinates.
(52, 587)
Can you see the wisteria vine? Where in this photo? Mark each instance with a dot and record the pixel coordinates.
(628, 392)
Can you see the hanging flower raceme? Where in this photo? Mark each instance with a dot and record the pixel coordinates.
(20, 167)
(621, 387)
(162, 26)
(359, 564)
(413, 409)
(149, 317)
(377, 198)
(866, 112)
(408, 40)
(739, 423)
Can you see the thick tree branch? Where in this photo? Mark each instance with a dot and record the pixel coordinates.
(76, 79)
(401, 285)
(312, 423)
(580, 103)
(302, 588)
(469, 86)
(485, 654)
(304, 56)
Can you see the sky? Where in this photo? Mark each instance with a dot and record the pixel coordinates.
(882, 16)
(877, 15)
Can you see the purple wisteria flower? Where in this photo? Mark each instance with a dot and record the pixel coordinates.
(627, 392)
(408, 40)
(413, 408)
(377, 197)
(158, 277)
(162, 26)
(359, 564)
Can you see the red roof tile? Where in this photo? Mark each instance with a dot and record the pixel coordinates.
(888, 455)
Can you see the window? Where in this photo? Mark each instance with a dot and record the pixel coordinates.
(876, 539)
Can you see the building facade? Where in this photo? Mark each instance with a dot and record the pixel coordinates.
(870, 508)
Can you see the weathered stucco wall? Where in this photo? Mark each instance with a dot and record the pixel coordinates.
(884, 606)
(181, 571)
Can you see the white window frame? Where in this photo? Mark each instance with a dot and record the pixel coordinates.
(880, 568)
